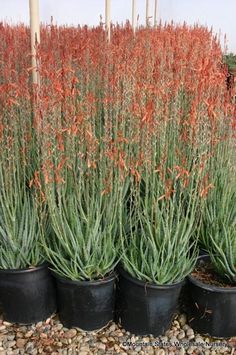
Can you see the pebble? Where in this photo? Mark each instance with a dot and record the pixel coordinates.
(112, 328)
(85, 339)
(101, 346)
(190, 333)
(39, 324)
(11, 344)
(149, 350)
(49, 349)
(23, 329)
(58, 327)
(29, 334)
(181, 334)
(199, 340)
(164, 339)
(20, 343)
(104, 340)
(160, 352)
(11, 337)
(47, 329)
(71, 333)
(146, 340)
(169, 333)
(138, 348)
(84, 348)
(186, 327)
(29, 346)
(7, 324)
(173, 340)
(51, 337)
(182, 320)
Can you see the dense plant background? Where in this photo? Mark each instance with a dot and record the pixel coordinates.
(117, 152)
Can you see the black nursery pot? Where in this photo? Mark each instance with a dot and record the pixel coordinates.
(27, 295)
(211, 309)
(88, 305)
(144, 308)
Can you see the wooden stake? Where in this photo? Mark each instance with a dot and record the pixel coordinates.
(134, 15)
(108, 19)
(35, 37)
(155, 14)
(147, 13)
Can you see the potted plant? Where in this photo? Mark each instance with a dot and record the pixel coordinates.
(218, 206)
(157, 255)
(212, 285)
(82, 251)
(27, 293)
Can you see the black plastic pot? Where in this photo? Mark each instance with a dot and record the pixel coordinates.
(144, 308)
(184, 294)
(88, 305)
(27, 295)
(211, 309)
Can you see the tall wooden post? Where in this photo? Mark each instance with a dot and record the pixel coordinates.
(108, 19)
(35, 37)
(155, 14)
(147, 13)
(134, 15)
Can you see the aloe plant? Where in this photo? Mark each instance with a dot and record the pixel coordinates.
(85, 223)
(219, 204)
(22, 220)
(158, 244)
(223, 251)
(20, 232)
(218, 229)
(219, 226)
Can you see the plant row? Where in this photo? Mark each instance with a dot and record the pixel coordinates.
(122, 155)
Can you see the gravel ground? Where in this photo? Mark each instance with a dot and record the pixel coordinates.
(50, 337)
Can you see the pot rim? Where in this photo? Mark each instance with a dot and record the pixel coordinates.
(25, 270)
(105, 280)
(207, 286)
(147, 284)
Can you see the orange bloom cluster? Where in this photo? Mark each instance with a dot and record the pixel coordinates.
(157, 100)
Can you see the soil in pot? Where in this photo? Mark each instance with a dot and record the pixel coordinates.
(27, 296)
(212, 302)
(88, 305)
(143, 308)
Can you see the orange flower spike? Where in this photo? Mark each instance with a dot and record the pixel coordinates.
(204, 192)
(161, 197)
(60, 142)
(62, 163)
(36, 180)
(91, 164)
